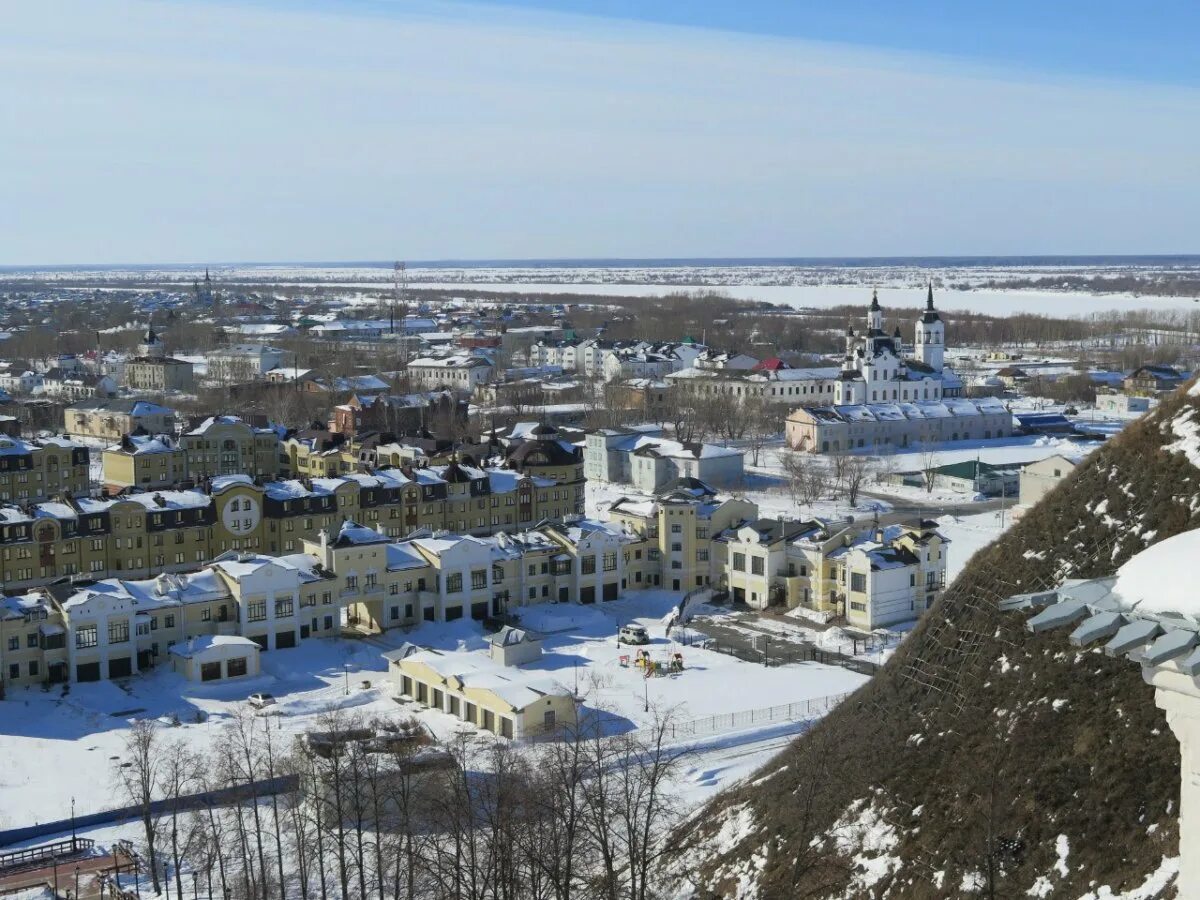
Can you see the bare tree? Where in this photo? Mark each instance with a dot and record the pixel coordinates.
(856, 472)
(138, 773)
(929, 466)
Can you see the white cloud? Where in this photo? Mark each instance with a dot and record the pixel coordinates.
(148, 131)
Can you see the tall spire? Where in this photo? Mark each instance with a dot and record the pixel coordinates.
(875, 299)
(929, 299)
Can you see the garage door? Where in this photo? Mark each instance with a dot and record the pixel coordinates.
(610, 591)
(479, 611)
(87, 672)
(260, 639)
(120, 668)
(587, 594)
(285, 640)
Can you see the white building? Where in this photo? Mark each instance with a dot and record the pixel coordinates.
(874, 371)
(641, 457)
(243, 362)
(461, 372)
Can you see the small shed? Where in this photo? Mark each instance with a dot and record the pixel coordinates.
(216, 657)
(514, 646)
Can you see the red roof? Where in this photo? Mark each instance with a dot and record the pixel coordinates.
(773, 364)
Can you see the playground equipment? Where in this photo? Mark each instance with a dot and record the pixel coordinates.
(653, 668)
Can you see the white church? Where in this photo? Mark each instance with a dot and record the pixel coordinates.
(883, 401)
(875, 372)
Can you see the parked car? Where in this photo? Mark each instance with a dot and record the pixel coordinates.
(260, 700)
(633, 634)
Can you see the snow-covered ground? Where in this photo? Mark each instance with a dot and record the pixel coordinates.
(79, 737)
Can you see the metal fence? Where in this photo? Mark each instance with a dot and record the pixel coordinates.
(779, 653)
(750, 718)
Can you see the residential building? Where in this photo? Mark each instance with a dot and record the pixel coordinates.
(144, 461)
(71, 385)
(243, 362)
(152, 370)
(110, 419)
(1153, 381)
(36, 470)
(142, 533)
(874, 577)
(225, 445)
(460, 373)
(1041, 477)
(677, 533)
(651, 463)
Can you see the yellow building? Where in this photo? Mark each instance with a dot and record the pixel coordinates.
(110, 419)
(143, 533)
(35, 470)
(225, 445)
(159, 374)
(678, 528)
(504, 700)
(873, 577)
(144, 461)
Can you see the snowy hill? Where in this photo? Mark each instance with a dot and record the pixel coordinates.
(983, 760)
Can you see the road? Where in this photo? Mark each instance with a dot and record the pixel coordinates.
(907, 509)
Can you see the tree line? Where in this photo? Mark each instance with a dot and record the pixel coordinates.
(379, 811)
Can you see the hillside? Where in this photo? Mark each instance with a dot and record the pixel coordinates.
(984, 760)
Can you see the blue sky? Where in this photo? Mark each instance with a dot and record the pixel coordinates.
(155, 131)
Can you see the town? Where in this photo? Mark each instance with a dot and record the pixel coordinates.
(598, 451)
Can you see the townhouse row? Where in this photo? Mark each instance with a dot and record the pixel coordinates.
(146, 533)
(349, 577)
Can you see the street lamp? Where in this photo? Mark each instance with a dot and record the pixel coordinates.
(646, 691)
(77, 881)
(74, 844)
(346, 669)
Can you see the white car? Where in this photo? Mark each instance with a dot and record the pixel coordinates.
(260, 700)
(633, 634)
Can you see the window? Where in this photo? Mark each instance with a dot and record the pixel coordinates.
(236, 666)
(283, 606)
(701, 556)
(757, 565)
(14, 642)
(610, 561)
(118, 632)
(676, 528)
(587, 565)
(454, 583)
(31, 639)
(256, 611)
(858, 582)
(739, 562)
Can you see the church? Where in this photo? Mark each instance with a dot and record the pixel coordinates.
(883, 401)
(874, 370)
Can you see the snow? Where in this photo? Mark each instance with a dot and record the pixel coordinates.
(1154, 885)
(969, 534)
(1151, 581)
(863, 834)
(79, 734)
(1186, 427)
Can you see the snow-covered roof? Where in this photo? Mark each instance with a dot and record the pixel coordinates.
(516, 688)
(199, 645)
